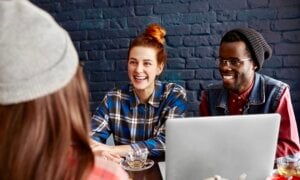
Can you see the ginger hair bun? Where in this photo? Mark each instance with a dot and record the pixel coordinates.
(157, 32)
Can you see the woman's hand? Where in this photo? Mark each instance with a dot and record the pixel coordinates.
(110, 156)
(105, 151)
(114, 153)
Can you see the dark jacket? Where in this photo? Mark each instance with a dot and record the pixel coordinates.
(264, 97)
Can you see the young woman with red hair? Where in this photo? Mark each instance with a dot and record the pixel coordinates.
(135, 114)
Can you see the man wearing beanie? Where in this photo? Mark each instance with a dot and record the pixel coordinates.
(245, 91)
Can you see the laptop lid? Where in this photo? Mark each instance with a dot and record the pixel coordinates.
(201, 147)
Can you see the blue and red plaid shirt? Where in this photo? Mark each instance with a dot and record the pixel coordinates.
(141, 125)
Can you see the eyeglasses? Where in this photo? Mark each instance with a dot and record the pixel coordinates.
(234, 62)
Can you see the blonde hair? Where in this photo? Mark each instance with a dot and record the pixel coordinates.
(154, 37)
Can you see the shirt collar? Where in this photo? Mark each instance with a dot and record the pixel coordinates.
(244, 95)
(154, 99)
(256, 93)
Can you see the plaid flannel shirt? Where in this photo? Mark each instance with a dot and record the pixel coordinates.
(137, 124)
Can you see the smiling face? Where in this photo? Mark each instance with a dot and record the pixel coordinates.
(143, 69)
(236, 78)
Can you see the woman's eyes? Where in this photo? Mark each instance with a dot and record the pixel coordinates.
(136, 63)
(132, 62)
(145, 63)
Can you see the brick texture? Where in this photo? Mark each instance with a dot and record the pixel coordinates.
(102, 30)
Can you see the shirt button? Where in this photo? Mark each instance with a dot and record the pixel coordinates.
(239, 97)
(233, 100)
(240, 109)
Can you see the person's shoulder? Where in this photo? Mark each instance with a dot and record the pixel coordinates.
(107, 170)
(173, 87)
(272, 81)
(118, 91)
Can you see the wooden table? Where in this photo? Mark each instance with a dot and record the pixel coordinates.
(149, 174)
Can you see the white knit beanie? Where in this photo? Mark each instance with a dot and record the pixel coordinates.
(37, 56)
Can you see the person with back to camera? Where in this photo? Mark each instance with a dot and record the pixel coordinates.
(136, 113)
(43, 102)
(245, 91)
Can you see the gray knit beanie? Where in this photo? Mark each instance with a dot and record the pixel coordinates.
(37, 56)
(260, 50)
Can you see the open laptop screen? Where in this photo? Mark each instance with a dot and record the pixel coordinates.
(229, 146)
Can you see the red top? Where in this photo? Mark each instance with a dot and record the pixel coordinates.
(107, 170)
(237, 102)
(288, 139)
(103, 169)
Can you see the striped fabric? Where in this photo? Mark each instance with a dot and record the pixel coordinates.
(141, 125)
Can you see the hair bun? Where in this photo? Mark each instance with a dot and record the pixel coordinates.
(156, 31)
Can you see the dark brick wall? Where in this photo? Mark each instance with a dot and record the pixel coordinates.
(102, 30)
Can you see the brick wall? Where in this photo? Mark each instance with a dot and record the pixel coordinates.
(102, 30)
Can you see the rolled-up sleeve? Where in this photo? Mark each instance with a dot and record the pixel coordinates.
(99, 123)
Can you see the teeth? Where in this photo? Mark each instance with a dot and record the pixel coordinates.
(139, 78)
(227, 77)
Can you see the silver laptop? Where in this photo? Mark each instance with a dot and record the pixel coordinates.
(229, 146)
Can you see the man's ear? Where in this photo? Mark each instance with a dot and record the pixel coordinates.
(255, 66)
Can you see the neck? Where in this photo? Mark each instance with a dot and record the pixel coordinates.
(144, 94)
(245, 89)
